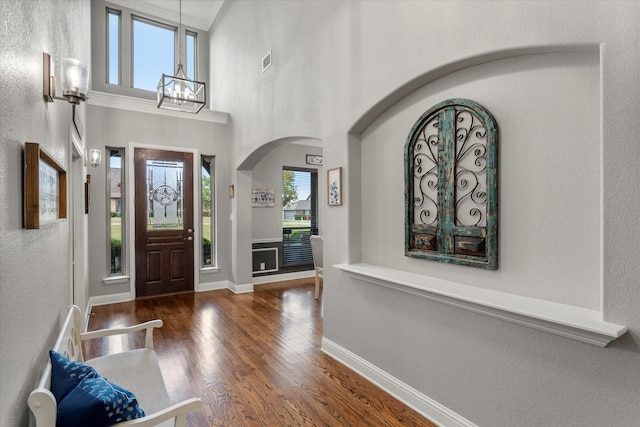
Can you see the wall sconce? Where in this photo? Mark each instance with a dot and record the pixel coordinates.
(75, 80)
(49, 80)
(95, 157)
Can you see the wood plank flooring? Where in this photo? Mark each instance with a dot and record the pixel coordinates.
(254, 359)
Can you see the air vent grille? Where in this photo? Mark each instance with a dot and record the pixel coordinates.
(266, 61)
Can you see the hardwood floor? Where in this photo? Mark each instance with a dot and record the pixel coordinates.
(254, 359)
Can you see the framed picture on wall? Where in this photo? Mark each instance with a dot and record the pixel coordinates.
(334, 186)
(262, 198)
(314, 159)
(45, 187)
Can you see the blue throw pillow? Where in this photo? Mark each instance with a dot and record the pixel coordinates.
(99, 403)
(66, 374)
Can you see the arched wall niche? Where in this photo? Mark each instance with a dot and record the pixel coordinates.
(371, 115)
(243, 214)
(543, 264)
(259, 153)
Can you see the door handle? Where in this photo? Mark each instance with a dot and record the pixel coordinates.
(190, 230)
(188, 238)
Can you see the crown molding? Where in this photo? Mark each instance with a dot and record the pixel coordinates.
(129, 103)
(202, 22)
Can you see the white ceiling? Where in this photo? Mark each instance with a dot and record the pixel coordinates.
(195, 13)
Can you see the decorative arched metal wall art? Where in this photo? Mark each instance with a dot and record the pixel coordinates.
(451, 185)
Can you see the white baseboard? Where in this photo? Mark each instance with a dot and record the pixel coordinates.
(416, 400)
(240, 289)
(214, 286)
(261, 280)
(104, 300)
(203, 287)
(108, 299)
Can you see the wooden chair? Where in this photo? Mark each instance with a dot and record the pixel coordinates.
(316, 250)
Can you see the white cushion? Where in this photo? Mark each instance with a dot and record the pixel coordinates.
(137, 371)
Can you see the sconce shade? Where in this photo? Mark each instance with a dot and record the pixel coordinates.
(75, 80)
(181, 94)
(95, 157)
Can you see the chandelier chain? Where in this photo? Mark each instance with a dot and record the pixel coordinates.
(180, 32)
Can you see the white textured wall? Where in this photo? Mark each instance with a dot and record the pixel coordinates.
(338, 66)
(34, 264)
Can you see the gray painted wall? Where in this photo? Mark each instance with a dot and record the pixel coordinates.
(267, 174)
(118, 128)
(338, 67)
(341, 67)
(549, 176)
(35, 283)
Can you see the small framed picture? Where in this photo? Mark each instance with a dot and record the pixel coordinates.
(334, 186)
(45, 187)
(262, 198)
(314, 159)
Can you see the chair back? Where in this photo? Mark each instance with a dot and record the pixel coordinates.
(316, 250)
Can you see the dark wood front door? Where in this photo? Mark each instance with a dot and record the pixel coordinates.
(164, 222)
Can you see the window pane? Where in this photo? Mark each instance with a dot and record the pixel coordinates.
(208, 210)
(298, 216)
(113, 47)
(115, 230)
(153, 54)
(165, 196)
(190, 55)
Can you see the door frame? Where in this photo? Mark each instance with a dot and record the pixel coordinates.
(77, 223)
(131, 217)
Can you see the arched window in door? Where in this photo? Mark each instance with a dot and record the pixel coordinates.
(451, 185)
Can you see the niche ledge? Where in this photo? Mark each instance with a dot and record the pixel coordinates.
(577, 323)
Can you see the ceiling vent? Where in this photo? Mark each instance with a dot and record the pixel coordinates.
(266, 62)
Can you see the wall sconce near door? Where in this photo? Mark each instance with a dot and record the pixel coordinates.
(75, 80)
(95, 157)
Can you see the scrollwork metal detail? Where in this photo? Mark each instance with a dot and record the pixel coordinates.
(425, 175)
(471, 170)
(451, 190)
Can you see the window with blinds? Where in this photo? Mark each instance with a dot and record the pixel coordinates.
(299, 215)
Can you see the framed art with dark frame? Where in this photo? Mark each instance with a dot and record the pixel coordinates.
(45, 187)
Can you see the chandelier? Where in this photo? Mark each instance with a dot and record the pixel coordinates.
(178, 92)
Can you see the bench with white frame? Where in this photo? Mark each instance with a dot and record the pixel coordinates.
(136, 370)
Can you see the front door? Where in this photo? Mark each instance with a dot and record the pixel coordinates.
(164, 221)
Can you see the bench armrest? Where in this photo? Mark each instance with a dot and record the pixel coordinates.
(148, 342)
(178, 412)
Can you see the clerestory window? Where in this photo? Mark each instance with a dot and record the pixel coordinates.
(153, 52)
(132, 49)
(451, 180)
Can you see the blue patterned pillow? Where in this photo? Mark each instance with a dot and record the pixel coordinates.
(97, 402)
(66, 374)
(85, 398)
